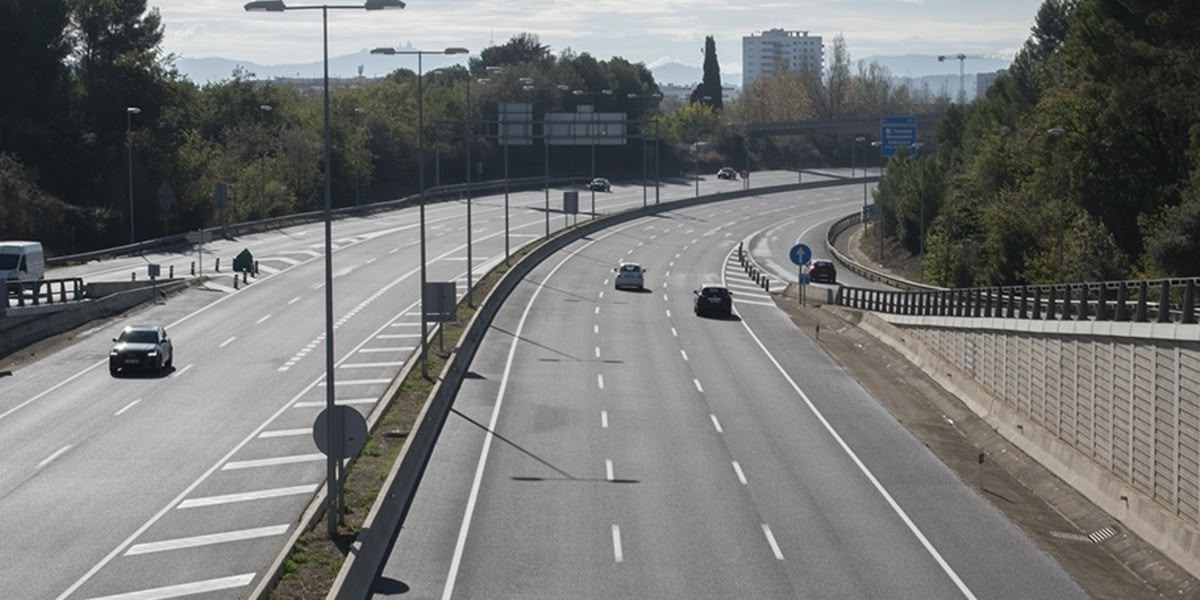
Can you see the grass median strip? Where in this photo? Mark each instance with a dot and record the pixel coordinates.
(313, 563)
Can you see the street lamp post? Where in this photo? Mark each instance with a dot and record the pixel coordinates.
(799, 160)
(875, 144)
(1058, 132)
(655, 95)
(334, 426)
(262, 165)
(421, 179)
(129, 112)
(358, 168)
(592, 138)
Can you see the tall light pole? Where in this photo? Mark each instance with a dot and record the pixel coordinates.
(916, 148)
(334, 426)
(562, 87)
(878, 215)
(1055, 133)
(129, 112)
(421, 178)
(592, 137)
(262, 164)
(799, 160)
(657, 96)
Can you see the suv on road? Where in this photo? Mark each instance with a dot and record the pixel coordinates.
(141, 347)
(727, 173)
(600, 184)
(714, 299)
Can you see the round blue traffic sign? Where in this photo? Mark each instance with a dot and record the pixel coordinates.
(800, 254)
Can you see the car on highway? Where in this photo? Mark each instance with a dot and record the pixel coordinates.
(600, 184)
(727, 173)
(823, 271)
(714, 299)
(629, 275)
(141, 347)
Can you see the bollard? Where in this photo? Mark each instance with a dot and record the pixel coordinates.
(218, 267)
(818, 332)
(193, 268)
(767, 285)
(243, 277)
(235, 281)
(256, 268)
(133, 276)
(171, 272)
(982, 457)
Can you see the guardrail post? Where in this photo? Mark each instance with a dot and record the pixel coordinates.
(1189, 303)
(837, 299)
(133, 276)
(945, 306)
(1052, 304)
(1139, 313)
(171, 272)
(1037, 303)
(1023, 312)
(1083, 303)
(1122, 302)
(193, 268)
(1164, 303)
(1102, 303)
(1066, 305)
(988, 302)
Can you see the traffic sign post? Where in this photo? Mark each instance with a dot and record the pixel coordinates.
(800, 254)
(895, 132)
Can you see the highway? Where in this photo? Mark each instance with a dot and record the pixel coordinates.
(611, 444)
(190, 482)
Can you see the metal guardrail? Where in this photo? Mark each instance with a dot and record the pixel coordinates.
(20, 294)
(838, 228)
(1175, 301)
(437, 194)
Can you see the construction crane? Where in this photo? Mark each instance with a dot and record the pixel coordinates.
(962, 86)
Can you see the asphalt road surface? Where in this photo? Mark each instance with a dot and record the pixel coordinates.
(614, 445)
(189, 482)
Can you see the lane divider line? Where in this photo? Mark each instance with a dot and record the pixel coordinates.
(57, 453)
(126, 407)
(740, 475)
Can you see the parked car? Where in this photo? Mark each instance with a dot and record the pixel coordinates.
(629, 275)
(141, 347)
(600, 184)
(714, 299)
(823, 271)
(727, 173)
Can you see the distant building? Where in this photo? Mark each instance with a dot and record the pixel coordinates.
(984, 81)
(777, 48)
(684, 92)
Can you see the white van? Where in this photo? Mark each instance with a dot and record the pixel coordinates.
(22, 261)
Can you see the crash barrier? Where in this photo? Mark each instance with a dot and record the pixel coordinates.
(363, 563)
(19, 294)
(760, 277)
(436, 194)
(1143, 301)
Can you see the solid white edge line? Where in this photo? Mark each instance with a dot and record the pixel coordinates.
(946, 568)
(206, 540)
(618, 553)
(57, 453)
(771, 540)
(740, 475)
(716, 423)
(294, 490)
(227, 342)
(461, 542)
(185, 589)
(126, 407)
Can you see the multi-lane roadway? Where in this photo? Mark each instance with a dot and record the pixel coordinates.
(191, 482)
(614, 445)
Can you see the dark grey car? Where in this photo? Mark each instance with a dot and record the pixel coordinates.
(141, 347)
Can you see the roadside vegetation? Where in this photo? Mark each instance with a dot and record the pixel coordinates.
(1088, 146)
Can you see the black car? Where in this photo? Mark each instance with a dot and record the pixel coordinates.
(600, 184)
(823, 271)
(715, 300)
(141, 347)
(727, 173)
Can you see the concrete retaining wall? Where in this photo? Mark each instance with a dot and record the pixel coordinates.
(1117, 417)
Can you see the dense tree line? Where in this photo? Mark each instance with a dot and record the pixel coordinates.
(1081, 163)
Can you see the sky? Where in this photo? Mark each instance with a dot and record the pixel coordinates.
(648, 31)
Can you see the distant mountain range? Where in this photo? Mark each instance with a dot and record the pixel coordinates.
(919, 68)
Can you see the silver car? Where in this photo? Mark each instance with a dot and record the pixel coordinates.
(629, 275)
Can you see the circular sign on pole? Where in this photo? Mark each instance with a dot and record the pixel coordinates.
(166, 197)
(220, 195)
(354, 431)
(800, 254)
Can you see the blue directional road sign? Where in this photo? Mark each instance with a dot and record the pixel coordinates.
(800, 254)
(896, 132)
(805, 279)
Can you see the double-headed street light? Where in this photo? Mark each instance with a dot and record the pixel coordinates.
(421, 176)
(592, 137)
(652, 96)
(334, 426)
(1058, 132)
(129, 112)
(562, 87)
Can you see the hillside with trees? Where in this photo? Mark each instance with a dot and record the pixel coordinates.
(1081, 164)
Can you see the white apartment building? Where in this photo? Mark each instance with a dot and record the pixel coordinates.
(793, 50)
